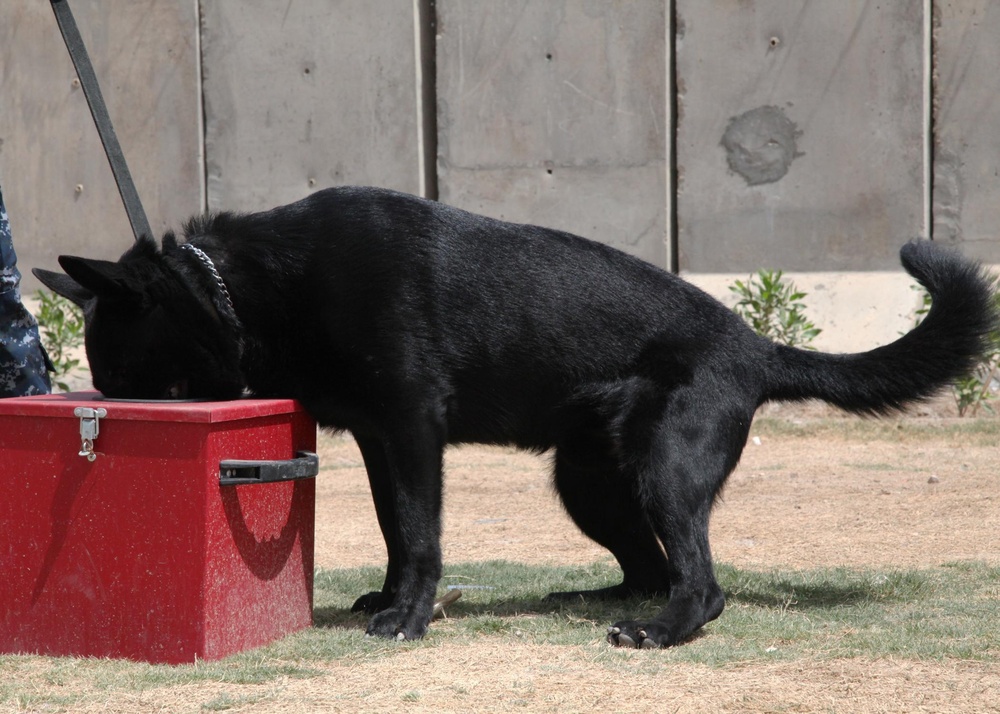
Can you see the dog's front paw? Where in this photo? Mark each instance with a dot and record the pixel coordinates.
(400, 623)
(372, 602)
(640, 635)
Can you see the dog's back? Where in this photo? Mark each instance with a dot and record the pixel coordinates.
(512, 326)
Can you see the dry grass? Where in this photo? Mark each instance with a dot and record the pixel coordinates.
(486, 676)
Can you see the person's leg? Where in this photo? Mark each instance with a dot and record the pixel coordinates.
(23, 364)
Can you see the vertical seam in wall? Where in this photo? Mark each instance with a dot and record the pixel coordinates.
(928, 118)
(202, 120)
(418, 82)
(673, 263)
(425, 67)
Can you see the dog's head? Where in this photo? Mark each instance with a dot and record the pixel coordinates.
(150, 333)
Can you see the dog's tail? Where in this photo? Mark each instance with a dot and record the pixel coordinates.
(946, 345)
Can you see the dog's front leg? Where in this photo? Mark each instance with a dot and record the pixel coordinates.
(412, 459)
(380, 481)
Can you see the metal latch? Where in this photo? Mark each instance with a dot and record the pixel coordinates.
(90, 427)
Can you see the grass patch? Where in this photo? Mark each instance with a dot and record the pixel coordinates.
(949, 612)
(946, 612)
(981, 431)
(916, 614)
(225, 702)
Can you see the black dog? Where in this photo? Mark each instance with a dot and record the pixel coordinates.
(414, 325)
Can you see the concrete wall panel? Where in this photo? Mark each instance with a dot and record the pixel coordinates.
(800, 134)
(304, 95)
(555, 113)
(966, 121)
(57, 184)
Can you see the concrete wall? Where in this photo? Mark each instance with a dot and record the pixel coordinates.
(305, 95)
(799, 144)
(556, 113)
(713, 138)
(59, 190)
(966, 145)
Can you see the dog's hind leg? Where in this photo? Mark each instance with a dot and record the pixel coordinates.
(691, 454)
(379, 478)
(604, 504)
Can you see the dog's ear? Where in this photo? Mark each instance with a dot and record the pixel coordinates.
(64, 285)
(102, 278)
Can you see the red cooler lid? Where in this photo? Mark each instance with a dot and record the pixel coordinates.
(63, 405)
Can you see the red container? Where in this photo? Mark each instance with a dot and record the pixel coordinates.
(141, 549)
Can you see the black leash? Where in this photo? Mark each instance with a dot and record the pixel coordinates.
(92, 91)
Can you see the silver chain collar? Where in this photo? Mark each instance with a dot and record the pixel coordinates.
(207, 262)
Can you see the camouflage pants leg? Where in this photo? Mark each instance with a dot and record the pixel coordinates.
(22, 359)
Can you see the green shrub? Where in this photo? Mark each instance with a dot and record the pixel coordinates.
(60, 323)
(774, 309)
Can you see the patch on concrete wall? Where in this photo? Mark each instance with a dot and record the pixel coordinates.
(760, 144)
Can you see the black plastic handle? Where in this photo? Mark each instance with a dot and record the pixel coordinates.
(235, 472)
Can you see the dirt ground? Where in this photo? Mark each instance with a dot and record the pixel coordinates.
(792, 502)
